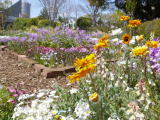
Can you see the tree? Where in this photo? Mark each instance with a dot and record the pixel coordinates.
(4, 4)
(96, 7)
(144, 9)
(52, 7)
(43, 14)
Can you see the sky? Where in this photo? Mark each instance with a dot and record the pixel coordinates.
(36, 6)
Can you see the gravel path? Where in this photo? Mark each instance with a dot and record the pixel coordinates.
(21, 76)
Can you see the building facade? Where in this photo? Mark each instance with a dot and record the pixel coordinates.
(20, 9)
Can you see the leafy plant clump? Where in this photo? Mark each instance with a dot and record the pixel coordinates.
(6, 106)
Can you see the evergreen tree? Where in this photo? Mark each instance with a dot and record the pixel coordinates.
(143, 9)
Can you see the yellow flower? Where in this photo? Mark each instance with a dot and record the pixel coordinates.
(134, 23)
(140, 50)
(102, 42)
(126, 38)
(104, 38)
(81, 73)
(152, 44)
(57, 117)
(124, 18)
(74, 77)
(83, 67)
(94, 97)
(89, 59)
(101, 45)
(139, 38)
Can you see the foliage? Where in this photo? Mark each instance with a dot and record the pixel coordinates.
(33, 22)
(98, 3)
(150, 26)
(96, 8)
(21, 23)
(43, 14)
(6, 107)
(51, 47)
(125, 84)
(112, 20)
(25, 23)
(151, 8)
(84, 23)
(43, 23)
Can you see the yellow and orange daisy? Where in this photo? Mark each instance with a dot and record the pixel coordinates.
(102, 42)
(126, 38)
(140, 50)
(83, 67)
(124, 18)
(80, 63)
(134, 23)
(152, 44)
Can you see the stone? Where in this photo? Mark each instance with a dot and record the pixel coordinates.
(39, 68)
(3, 48)
(23, 58)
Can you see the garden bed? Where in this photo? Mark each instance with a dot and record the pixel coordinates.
(39, 68)
(17, 71)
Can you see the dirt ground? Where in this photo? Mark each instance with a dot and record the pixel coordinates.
(22, 76)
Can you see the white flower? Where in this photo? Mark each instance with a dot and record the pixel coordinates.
(73, 90)
(116, 31)
(40, 95)
(82, 110)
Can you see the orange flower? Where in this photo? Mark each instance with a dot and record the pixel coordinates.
(80, 63)
(152, 44)
(74, 77)
(124, 18)
(102, 42)
(134, 23)
(126, 38)
(104, 38)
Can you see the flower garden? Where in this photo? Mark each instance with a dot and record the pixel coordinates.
(116, 75)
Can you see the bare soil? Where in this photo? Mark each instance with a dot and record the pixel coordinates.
(22, 76)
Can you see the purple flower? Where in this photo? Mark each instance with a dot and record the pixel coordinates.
(155, 58)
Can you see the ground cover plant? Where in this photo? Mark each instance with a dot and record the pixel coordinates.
(117, 80)
(52, 47)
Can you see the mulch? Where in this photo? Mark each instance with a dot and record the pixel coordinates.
(23, 77)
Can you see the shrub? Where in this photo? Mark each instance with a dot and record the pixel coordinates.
(150, 26)
(43, 23)
(84, 23)
(21, 23)
(55, 24)
(33, 22)
(6, 108)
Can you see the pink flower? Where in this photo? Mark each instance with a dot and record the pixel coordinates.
(13, 101)
(21, 92)
(12, 90)
(15, 95)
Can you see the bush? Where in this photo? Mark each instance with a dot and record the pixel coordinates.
(150, 26)
(43, 23)
(33, 22)
(21, 23)
(6, 108)
(84, 23)
(55, 24)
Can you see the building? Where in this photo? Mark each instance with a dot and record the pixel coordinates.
(20, 9)
(2, 18)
